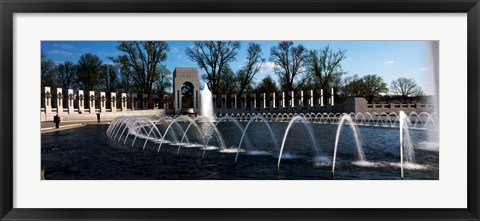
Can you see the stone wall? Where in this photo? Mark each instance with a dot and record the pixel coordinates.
(360, 105)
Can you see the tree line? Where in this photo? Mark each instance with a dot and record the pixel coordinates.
(141, 69)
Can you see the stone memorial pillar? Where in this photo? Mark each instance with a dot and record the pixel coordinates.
(103, 102)
(331, 99)
(273, 105)
(113, 101)
(71, 97)
(320, 97)
(59, 101)
(124, 101)
(91, 102)
(48, 100)
(300, 102)
(292, 101)
(81, 103)
(264, 105)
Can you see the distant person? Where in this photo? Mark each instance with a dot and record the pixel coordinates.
(98, 117)
(56, 119)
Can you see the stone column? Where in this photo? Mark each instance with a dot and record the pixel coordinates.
(71, 97)
(320, 97)
(81, 103)
(113, 101)
(48, 100)
(91, 103)
(331, 99)
(144, 101)
(300, 102)
(124, 101)
(103, 102)
(283, 100)
(264, 101)
(59, 101)
(292, 101)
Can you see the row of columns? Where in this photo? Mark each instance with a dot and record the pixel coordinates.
(80, 97)
(285, 100)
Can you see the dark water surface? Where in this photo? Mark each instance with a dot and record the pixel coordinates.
(88, 154)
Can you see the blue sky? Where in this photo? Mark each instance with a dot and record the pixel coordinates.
(389, 59)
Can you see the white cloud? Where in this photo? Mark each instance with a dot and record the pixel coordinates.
(64, 46)
(59, 52)
(267, 67)
(389, 62)
(423, 69)
(174, 50)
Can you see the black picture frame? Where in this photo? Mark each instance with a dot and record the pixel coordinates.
(9, 7)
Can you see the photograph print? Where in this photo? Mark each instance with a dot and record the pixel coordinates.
(239, 110)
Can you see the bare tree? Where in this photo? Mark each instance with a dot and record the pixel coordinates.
(253, 65)
(289, 63)
(213, 57)
(405, 87)
(143, 61)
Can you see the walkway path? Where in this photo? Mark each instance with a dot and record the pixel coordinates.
(49, 126)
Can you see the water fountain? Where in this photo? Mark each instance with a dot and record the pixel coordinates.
(206, 105)
(376, 129)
